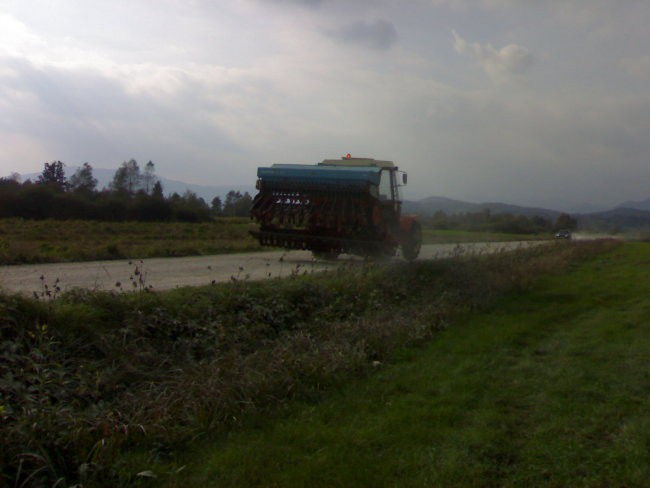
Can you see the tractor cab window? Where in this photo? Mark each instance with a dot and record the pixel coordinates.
(386, 185)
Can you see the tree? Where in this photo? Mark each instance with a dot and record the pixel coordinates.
(237, 204)
(36, 201)
(9, 198)
(190, 207)
(244, 206)
(217, 206)
(149, 178)
(157, 191)
(149, 208)
(127, 178)
(229, 207)
(54, 175)
(83, 180)
(439, 220)
(565, 221)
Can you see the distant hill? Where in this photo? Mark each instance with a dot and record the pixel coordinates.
(431, 205)
(617, 219)
(207, 192)
(640, 205)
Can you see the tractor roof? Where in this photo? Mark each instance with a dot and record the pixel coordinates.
(350, 161)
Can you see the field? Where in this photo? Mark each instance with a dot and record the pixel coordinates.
(44, 241)
(112, 388)
(549, 387)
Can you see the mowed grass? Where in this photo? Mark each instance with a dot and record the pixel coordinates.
(550, 387)
(38, 241)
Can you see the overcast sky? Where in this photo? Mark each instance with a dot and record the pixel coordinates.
(536, 102)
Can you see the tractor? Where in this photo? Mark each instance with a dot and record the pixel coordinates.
(349, 205)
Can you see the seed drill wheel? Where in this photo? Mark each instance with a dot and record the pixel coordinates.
(412, 243)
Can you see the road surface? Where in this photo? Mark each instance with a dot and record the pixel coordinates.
(166, 273)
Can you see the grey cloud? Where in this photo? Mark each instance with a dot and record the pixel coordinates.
(85, 116)
(603, 16)
(550, 149)
(500, 64)
(306, 3)
(465, 4)
(341, 5)
(309, 3)
(379, 34)
(637, 66)
(269, 89)
(60, 93)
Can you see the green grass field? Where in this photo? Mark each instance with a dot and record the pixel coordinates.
(43, 241)
(38, 241)
(549, 387)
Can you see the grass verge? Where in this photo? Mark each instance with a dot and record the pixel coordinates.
(92, 376)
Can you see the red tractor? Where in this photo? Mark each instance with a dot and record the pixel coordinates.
(348, 205)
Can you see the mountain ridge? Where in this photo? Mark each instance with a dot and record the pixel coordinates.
(433, 204)
(638, 204)
(613, 220)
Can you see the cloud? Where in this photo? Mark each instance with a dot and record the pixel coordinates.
(241, 83)
(500, 65)
(306, 3)
(548, 149)
(565, 7)
(85, 115)
(603, 16)
(466, 4)
(637, 66)
(14, 34)
(379, 34)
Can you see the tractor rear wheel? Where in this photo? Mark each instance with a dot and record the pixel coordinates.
(412, 242)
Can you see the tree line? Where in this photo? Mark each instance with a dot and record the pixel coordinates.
(134, 194)
(508, 223)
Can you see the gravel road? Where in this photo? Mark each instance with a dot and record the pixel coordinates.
(166, 273)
